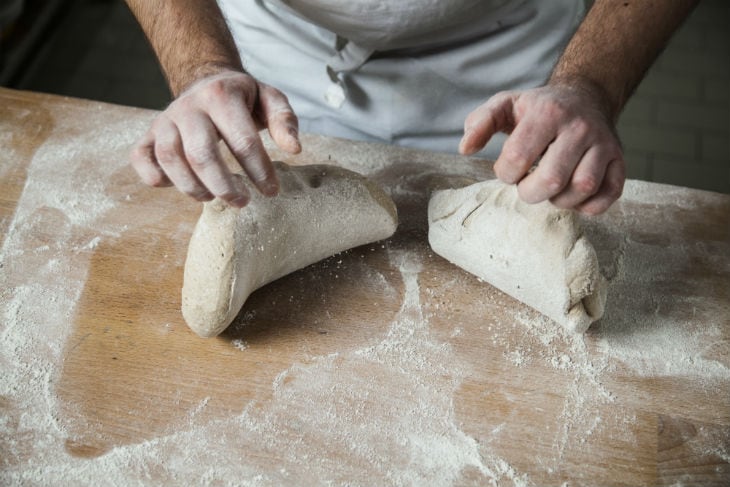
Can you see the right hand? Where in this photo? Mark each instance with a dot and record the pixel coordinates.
(181, 147)
(568, 129)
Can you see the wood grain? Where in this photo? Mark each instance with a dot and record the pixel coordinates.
(382, 365)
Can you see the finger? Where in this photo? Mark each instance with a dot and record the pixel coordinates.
(200, 145)
(491, 117)
(611, 189)
(528, 141)
(145, 164)
(586, 179)
(238, 129)
(557, 165)
(170, 156)
(279, 118)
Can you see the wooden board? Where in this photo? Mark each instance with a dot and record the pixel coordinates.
(384, 365)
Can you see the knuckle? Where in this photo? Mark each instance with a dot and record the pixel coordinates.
(553, 181)
(140, 153)
(221, 90)
(165, 152)
(244, 144)
(516, 155)
(216, 89)
(581, 128)
(497, 99)
(200, 156)
(586, 185)
(269, 92)
(554, 110)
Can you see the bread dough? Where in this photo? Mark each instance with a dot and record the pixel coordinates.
(320, 210)
(535, 253)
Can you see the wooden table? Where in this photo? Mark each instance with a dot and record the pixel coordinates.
(384, 365)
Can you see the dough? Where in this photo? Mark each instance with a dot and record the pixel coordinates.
(535, 253)
(320, 210)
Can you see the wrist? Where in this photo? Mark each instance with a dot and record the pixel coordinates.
(190, 76)
(608, 103)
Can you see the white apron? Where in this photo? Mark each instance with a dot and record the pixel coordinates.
(405, 72)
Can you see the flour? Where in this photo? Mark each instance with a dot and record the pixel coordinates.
(389, 409)
(81, 197)
(93, 243)
(655, 333)
(43, 275)
(663, 194)
(355, 426)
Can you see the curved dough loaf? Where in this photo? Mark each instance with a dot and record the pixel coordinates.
(320, 210)
(535, 253)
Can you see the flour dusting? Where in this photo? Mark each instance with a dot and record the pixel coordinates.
(459, 385)
(43, 269)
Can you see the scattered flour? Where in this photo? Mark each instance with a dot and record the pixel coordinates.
(383, 413)
(409, 439)
(93, 243)
(42, 275)
(668, 333)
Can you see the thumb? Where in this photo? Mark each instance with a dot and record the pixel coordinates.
(278, 116)
(495, 115)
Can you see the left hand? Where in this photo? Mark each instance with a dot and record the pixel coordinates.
(568, 130)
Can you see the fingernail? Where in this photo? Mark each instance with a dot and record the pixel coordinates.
(294, 135)
(239, 201)
(271, 188)
(463, 147)
(239, 187)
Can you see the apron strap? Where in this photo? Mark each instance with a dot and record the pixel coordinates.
(348, 57)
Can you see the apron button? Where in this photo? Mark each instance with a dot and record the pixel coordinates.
(335, 95)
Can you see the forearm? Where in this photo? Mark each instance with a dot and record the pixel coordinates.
(616, 44)
(190, 37)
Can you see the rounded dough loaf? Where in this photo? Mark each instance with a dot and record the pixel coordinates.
(535, 253)
(320, 210)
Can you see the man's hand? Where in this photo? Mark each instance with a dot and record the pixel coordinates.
(566, 131)
(568, 125)
(181, 147)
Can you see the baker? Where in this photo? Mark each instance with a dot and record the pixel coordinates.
(434, 74)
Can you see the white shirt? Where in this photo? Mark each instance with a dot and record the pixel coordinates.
(399, 71)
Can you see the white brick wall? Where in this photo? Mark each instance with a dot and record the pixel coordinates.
(676, 128)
